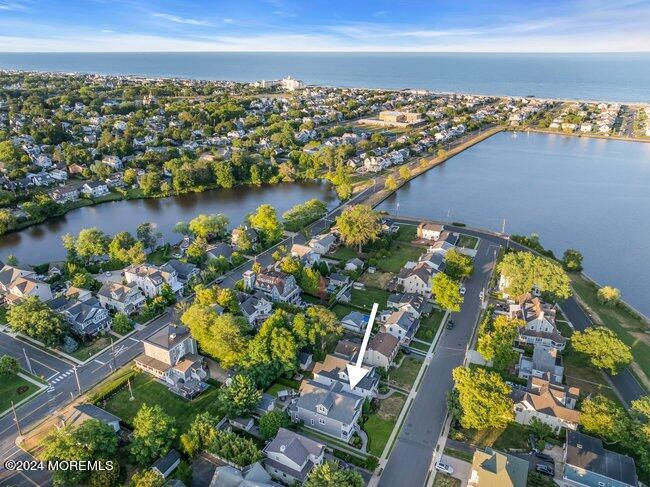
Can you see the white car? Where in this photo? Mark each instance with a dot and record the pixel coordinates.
(108, 273)
(444, 468)
(463, 290)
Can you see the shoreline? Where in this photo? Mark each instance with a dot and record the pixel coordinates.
(586, 135)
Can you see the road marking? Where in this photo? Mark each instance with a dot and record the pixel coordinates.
(44, 365)
(99, 362)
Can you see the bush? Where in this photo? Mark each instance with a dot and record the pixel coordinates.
(608, 296)
(69, 344)
(8, 366)
(108, 388)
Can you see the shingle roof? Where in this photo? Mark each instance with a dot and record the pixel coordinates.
(342, 406)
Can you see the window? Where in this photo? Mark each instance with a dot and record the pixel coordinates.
(312, 421)
(321, 421)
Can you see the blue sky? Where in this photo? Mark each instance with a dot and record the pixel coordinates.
(333, 25)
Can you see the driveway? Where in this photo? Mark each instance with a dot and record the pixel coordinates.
(462, 469)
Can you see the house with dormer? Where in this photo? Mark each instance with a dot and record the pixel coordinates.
(123, 298)
(552, 404)
(278, 286)
(402, 325)
(17, 284)
(290, 456)
(84, 314)
(540, 326)
(151, 279)
(255, 308)
(334, 369)
(417, 279)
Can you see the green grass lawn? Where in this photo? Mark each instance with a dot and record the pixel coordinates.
(85, 351)
(275, 388)
(420, 346)
(3, 316)
(468, 241)
(461, 455)
(579, 372)
(405, 375)
(380, 425)
(406, 233)
(341, 310)
(147, 390)
(514, 435)
(630, 328)
(364, 298)
(9, 391)
(401, 254)
(345, 253)
(160, 255)
(429, 325)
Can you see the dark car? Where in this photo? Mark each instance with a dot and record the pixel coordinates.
(532, 441)
(545, 457)
(545, 469)
(450, 324)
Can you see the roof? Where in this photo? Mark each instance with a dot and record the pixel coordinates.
(384, 343)
(253, 475)
(544, 401)
(168, 336)
(497, 469)
(401, 319)
(117, 291)
(166, 463)
(334, 367)
(357, 318)
(220, 249)
(347, 348)
(152, 363)
(183, 269)
(342, 406)
(294, 446)
(587, 452)
(96, 413)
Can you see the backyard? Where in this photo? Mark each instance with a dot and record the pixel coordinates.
(377, 279)
(14, 388)
(87, 350)
(429, 325)
(406, 233)
(401, 253)
(514, 435)
(365, 298)
(148, 390)
(404, 376)
(380, 425)
(468, 241)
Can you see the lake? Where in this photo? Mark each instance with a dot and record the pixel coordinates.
(42, 243)
(589, 194)
(601, 76)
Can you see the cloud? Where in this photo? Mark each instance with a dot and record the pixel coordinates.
(181, 20)
(13, 5)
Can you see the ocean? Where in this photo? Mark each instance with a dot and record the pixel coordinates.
(622, 77)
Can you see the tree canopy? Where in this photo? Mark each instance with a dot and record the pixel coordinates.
(604, 349)
(153, 434)
(265, 221)
(525, 271)
(496, 342)
(240, 397)
(36, 319)
(458, 266)
(328, 474)
(358, 225)
(446, 292)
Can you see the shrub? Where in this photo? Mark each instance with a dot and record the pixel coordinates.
(69, 344)
(608, 296)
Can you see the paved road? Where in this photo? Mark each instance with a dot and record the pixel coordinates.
(413, 451)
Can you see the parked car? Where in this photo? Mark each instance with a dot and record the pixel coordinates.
(463, 290)
(545, 469)
(108, 273)
(532, 441)
(444, 468)
(450, 324)
(545, 457)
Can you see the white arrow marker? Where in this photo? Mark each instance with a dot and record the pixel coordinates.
(356, 372)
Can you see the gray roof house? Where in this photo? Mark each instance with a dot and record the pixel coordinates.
(587, 463)
(220, 249)
(355, 321)
(401, 325)
(166, 464)
(255, 308)
(334, 369)
(327, 409)
(291, 456)
(84, 412)
(85, 317)
(125, 298)
(185, 271)
(253, 475)
(545, 362)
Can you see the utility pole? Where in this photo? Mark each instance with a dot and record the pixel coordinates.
(113, 352)
(131, 398)
(29, 364)
(76, 376)
(13, 408)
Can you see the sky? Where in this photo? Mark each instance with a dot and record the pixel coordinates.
(332, 25)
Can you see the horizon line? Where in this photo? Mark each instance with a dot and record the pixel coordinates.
(647, 51)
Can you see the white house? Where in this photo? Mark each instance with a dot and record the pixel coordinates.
(151, 279)
(94, 189)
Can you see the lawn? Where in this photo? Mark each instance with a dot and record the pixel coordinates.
(424, 347)
(380, 425)
(429, 325)
(461, 455)
(444, 480)
(147, 390)
(468, 241)
(579, 372)
(9, 387)
(401, 253)
(275, 388)
(405, 375)
(345, 253)
(85, 351)
(406, 233)
(160, 255)
(629, 327)
(341, 310)
(514, 435)
(378, 279)
(364, 298)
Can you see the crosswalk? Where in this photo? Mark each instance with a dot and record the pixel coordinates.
(62, 376)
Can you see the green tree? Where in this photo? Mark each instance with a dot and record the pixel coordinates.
(240, 397)
(234, 448)
(153, 434)
(201, 433)
(147, 478)
(91, 441)
(603, 417)
(125, 249)
(608, 295)
(391, 183)
(150, 182)
(36, 319)
(328, 474)
(9, 366)
(209, 226)
(182, 227)
(458, 266)
(604, 349)
(314, 325)
(446, 292)
(7, 221)
(223, 174)
(265, 221)
(91, 242)
(497, 343)
(196, 251)
(130, 177)
(641, 411)
(220, 336)
(272, 421)
(122, 324)
(12, 260)
(358, 225)
(525, 271)
(404, 172)
(484, 398)
(572, 260)
(148, 235)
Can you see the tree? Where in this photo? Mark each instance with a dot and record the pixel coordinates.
(541, 430)
(484, 398)
(122, 324)
(220, 336)
(124, 249)
(9, 366)
(446, 292)
(524, 271)
(12, 260)
(265, 221)
(147, 478)
(182, 227)
(641, 412)
(209, 226)
(196, 251)
(153, 434)
(603, 417)
(390, 183)
(328, 474)
(604, 349)
(224, 174)
(358, 225)
(130, 177)
(7, 221)
(404, 172)
(272, 421)
(91, 441)
(201, 433)
(496, 344)
(36, 319)
(241, 397)
(150, 182)
(91, 242)
(314, 325)
(458, 266)
(148, 235)
(572, 260)
(608, 295)
(234, 448)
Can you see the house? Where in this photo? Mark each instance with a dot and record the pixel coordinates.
(338, 280)
(237, 234)
(334, 369)
(381, 350)
(86, 317)
(552, 404)
(291, 456)
(218, 250)
(185, 271)
(276, 285)
(540, 322)
(588, 464)
(266, 404)
(446, 242)
(253, 475)
(545, 363)
(167, 464)
(327, 409)
(401, 325)
(323, 244)
(94, 189)
(16, 284)
(64, 195)
(151, 279)
(114, 162)
(414, 304)
(418, 280)
(170, 354)
(124, 298)
(355, 321)
(354, 264)
(83, 412)
(305, 253)
(255, 308)
(348, 348)
(429, 231)
(435, 260)
(491, 468)
(305, 360)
